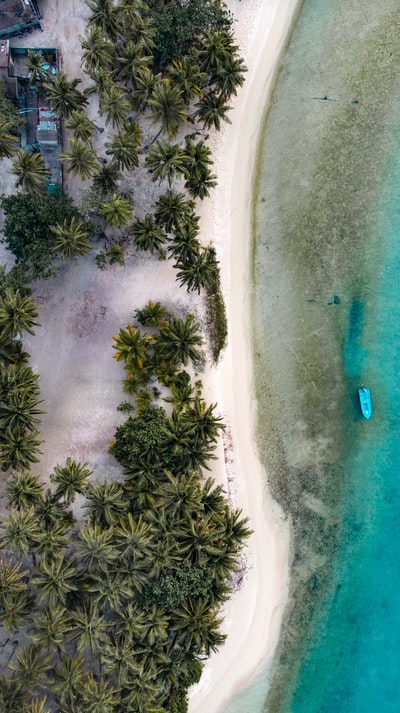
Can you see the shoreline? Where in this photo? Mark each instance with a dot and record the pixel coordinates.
(254, 613)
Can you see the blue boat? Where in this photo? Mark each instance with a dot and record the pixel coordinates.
(364, 395)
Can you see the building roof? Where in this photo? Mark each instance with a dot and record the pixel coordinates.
(17, 16)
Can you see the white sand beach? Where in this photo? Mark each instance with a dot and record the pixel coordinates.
(254, 614)
(83, 308)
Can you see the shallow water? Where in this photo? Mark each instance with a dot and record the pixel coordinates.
(326, 271)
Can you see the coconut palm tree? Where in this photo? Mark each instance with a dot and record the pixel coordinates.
(185, 245)
(145, 83)
(11, 579)
(97, 52)
(215, 50)
(97, 549)
(132, 347)
(88, 628)
(53, 539)
(167, 107)
(105, 16)
(55, 578)
(229, 75)
(32, 666)
(197, 628)
(212, 109)
(197, 273)
(20, 411)
(17, 314)
(132, 60)
(52, 512)
(102, 82)
(114, 104)
(178, 341)
(134, 539)
(123, 147)
(106, 179)
(110, 590)
(50, 628)
(71, 238)
(16, 611)
(34, 63)
(98, 695)
(188, 77)
(116, 254)
(165, 161)
(105, 503)
(82, 160)
(148, 235)
(116, 212)
(8, 142)
(13, 692)
(173, 210)
(152, 315)
(23, 490)
(63, 95)
(36, 706)
(18, 448)
(202, 416)
(68, 677)
(70, 479)
(32, 174)
(19, 532)
(81, 125)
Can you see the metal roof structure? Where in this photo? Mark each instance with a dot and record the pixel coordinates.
(18, 17)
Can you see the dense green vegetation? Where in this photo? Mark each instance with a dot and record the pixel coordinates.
(112, 590)
(118, 610)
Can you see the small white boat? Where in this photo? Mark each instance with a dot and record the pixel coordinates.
(364, 395)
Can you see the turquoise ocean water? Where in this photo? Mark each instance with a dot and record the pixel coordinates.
(327, 206)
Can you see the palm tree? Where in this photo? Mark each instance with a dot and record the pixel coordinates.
(134, 539)
(55, 578)
(70, 479)
(123, 147)
(165, 161)
(63, 95)
(148, 235)
(32, 666)
(98, 696)
(52, 512)
(105, 503)
(11, 579)
(173, 210)
(32, 174)
(185, 245)
(229, 75)
(131, 346)
(97, 547)
(23, 490)
(188, 77)
(202, 416)
(212, 109)
(13, 692)
(103, 81)
(14, 378)
(17, 314)
(152, 315)
(19, 532)
(8, 142)
(167, 107)
(197, 628)
(81, 158)
(132, 61)
(50, 628)
(88, 628)
(34, 63)
(70, 238)
(116, 254)
(68, 676)
(199, 178)
(105, 16)
(116, 212)
(52, 539)
(178, 341)
(16, 611)
(110, 590)
(36, 706)
(97, 52)
(197, 273)
(215, 50)
(106, 179)
(20, 411)
(18, 448)
(81, 125)
(114, 103)
(145, 83)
